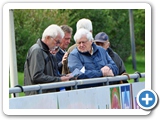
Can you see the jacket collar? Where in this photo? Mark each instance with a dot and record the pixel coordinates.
(94, 47)
(43, 45)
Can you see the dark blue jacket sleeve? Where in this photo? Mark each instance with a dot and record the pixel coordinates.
(75, 62)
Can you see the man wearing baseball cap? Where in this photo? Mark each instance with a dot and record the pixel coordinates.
(102, 39)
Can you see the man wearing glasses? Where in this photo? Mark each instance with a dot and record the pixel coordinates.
(41, 66)
(93, 59)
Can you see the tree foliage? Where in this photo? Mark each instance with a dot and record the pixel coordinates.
(30, 23)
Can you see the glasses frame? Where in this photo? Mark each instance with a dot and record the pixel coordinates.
(56, 41)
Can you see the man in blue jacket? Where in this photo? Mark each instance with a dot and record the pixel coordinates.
(93, 59)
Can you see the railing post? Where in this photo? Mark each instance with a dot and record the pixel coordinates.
(75, 87)
(136, 79)
(139, 76)
(107, 83)
(40, 90)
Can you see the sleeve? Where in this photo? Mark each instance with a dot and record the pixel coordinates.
(120, 64)
(75, 62)
(37, 68)
(111, 64)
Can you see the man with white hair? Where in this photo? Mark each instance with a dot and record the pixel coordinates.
(82, 23)
(41, 66)
(94, 59)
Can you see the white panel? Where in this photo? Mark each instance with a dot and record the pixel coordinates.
(77, 99)
(103, 97)
(136, 87)
(42, 101)
(90, 98)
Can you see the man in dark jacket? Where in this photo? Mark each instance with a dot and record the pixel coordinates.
(63, 45)
(41, 66)
(94, 60)
(102, 39)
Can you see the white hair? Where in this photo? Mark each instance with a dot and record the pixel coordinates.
(52, 30)
(83, 32)
(84, 23)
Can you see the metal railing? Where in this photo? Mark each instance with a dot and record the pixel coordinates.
(75, 83)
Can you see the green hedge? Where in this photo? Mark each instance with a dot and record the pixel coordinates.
(29, 25)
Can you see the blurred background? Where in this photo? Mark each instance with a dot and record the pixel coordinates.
(29, 25)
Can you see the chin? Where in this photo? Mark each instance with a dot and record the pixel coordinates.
(83, 50)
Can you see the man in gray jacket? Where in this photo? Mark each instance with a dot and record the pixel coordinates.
(41, 66)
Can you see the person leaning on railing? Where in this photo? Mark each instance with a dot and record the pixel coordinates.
(93, 59)
(40, 65)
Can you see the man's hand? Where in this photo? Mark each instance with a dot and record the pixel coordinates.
(107, 72)
(64, 57)
(66, 78)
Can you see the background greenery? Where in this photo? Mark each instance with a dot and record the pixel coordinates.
(30, 23)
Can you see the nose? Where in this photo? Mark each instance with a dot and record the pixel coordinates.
(81, 43)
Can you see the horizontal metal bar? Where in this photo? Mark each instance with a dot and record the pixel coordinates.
(73, 83)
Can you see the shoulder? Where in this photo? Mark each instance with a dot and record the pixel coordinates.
(35, 48)
(117, 56)
(74, 51)
(60, 52)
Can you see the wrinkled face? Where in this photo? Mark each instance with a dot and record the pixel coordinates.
(83, 44)
(54, 42)
(66, 41)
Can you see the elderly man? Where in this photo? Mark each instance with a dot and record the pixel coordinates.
(93, 59)
(41, 66)
(82, 23)
(63, 45)
(102, 39)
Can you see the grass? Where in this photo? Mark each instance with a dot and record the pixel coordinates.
(140, 64)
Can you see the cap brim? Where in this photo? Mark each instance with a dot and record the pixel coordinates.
(99, 41)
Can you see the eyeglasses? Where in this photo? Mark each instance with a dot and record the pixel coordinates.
(82, 42)
(56, 41)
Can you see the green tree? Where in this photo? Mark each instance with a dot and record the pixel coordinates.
(30, 23)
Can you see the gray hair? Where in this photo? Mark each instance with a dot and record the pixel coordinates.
(84, 23)
(83, 32)
(52, 30)
(66, 29)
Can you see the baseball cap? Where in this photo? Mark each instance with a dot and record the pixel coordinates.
(101, 37)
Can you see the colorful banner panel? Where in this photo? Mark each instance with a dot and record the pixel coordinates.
(115, 98)
(126, 97)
